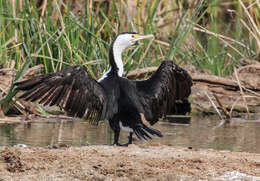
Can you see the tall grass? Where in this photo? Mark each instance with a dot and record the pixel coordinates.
(214, 35)
(230, 36)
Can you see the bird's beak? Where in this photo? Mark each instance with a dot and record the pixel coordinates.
(140, 37)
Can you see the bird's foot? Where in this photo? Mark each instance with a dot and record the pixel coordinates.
(118, 144)
(123, 145)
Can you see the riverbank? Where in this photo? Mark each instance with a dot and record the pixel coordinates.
(136, 162)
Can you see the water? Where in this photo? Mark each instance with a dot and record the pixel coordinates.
(201, 133)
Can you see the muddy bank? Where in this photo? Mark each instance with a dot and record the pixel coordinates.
(142, 162)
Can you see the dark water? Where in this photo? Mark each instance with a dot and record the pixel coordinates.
(201, 133)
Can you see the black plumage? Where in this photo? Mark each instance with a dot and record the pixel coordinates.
(113, 97)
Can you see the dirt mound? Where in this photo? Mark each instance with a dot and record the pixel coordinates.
(13, 161)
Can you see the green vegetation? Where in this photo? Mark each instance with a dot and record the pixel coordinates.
(215, 36)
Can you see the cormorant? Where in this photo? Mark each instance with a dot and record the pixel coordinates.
(113, 97)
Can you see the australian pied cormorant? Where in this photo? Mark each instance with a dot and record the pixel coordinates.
(113, 97)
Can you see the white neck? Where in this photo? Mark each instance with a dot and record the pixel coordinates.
(117, 51)
(119, 63)
(117, 55)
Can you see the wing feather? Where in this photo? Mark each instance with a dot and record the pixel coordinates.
(158, 95)
(73, 89)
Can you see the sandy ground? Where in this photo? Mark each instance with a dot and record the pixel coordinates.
(136, 162)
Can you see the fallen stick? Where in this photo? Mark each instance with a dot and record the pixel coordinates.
(223, 108)
(215, 107)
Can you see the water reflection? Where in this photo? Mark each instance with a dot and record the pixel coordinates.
(237, 136)
(50, 133)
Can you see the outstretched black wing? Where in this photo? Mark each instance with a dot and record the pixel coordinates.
(165, 92)
(72, 89)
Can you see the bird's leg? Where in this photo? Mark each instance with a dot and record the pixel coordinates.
(130, 138)
(116, 137)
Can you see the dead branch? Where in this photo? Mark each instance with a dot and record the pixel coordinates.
(141, 73)
(214, 105)
(223, 108)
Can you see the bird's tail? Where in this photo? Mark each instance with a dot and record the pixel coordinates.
(144, 133)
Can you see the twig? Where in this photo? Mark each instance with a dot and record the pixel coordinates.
(140, 73)
(242, 92)
(223, 108)
(233, 105)
(162, 42)
(219, 125)
(214, 105)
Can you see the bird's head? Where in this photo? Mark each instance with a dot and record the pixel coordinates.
(126, 39)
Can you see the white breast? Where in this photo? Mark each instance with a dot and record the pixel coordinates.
(125, 128)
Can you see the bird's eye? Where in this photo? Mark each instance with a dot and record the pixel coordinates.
(135, 36)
